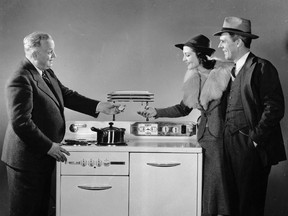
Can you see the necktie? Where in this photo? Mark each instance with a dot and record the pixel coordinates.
(48, 82)
(46, 78)
(233, 72)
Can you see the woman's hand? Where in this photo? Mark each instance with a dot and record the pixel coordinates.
(149, 112)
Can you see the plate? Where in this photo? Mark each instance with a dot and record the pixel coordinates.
(130, 93)
(131, 99)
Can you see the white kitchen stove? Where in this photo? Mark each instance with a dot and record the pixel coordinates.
(158, 171)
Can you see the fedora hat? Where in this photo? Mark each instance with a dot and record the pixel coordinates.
(199, 42)
(237, 26)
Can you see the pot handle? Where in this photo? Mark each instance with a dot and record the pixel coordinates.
(95, 129)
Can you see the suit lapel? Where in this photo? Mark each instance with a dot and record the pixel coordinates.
(42, 85)
(56, 88)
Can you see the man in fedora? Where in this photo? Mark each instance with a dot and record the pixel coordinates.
(253, 139)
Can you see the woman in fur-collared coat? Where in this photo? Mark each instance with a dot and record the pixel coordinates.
(204, 85)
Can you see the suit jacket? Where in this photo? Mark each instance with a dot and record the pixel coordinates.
(36, 117)
(264, 107)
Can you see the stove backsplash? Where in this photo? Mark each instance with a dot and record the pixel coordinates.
(133, 130)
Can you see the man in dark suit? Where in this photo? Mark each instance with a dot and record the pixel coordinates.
(253, 139)
(36, 125)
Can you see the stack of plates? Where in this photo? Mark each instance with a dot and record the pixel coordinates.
(131, 96)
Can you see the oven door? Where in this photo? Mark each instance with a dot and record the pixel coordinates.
(94, 195)
(164, 184)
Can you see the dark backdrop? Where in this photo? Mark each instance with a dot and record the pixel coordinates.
(108, 45)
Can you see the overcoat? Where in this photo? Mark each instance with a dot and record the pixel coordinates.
(264, 107)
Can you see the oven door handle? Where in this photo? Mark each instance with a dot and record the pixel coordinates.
(164, 164)
(87, 187)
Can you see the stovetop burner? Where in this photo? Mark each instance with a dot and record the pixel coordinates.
(79, 142)
(84, 142)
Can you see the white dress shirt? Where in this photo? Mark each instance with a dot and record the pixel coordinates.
(240, 63)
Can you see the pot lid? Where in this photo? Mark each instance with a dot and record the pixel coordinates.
(111, 128)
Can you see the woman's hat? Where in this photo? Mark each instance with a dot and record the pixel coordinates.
(200, 42)
(237, 26)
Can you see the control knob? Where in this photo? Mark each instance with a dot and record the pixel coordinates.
(165, 129)
(175, 130)
(83, 162)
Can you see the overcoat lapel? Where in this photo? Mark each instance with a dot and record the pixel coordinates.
(246, 91)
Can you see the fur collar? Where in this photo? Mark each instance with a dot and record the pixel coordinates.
(201, 88)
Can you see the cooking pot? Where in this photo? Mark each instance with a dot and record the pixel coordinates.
(110, 135)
